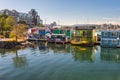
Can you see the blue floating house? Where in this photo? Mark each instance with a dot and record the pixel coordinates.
(110, 38)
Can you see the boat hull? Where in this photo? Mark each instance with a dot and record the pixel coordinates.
(82, 43)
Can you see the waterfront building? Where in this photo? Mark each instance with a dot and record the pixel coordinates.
(38, 33)
(84, 36)
(67, 32)
(31, 18)
(110, 38)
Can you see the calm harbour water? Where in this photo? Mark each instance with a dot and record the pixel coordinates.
(60, 62)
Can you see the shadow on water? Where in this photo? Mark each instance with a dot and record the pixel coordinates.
(110, 54)
(84, 53)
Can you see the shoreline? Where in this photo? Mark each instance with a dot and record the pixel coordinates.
(8, 43)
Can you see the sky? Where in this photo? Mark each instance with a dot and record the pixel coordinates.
(69, 12)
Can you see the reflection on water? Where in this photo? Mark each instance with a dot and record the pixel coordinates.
(42, 61)
(4, 52)
(19, 61)
(43, 47)
(110, 54)
(83, 53)
(60, 48)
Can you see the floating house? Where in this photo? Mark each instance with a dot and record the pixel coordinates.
(84, 36)
(58, 38)
(40, 34)
(64, 35)
(110, 38)
(32, 33)
(67, 32)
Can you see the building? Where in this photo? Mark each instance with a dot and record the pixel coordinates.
(84, 36)
(67, 32)
(31, 18)
(110, 38)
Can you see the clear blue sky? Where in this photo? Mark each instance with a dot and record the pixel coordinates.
(69, 11)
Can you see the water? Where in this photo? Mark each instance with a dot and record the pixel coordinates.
(60, 62)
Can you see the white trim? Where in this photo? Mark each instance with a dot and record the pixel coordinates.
(108, 39)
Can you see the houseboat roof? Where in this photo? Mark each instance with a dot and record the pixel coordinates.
(83, 28)
(110, 30)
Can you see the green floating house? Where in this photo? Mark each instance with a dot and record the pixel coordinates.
(67, 32)
(84, 36)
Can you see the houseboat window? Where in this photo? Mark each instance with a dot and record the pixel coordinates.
(78, 33)
(81, 33)
(84, 33)
(89, 34)
(61, 31)
(89, 39)
(105, 41)
(105, 33)
(68, 31)
(114, 34)
(114, 41)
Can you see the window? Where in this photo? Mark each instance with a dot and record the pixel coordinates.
(84, 33)
(105, 33)
(105, 41)
(114, 41)
(89, 33)
(114, 34)
(78, 33)
(68, 31)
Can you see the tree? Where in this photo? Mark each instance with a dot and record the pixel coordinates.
(22, 22)
(9, 22)
(18, 31)
(3, 15)
(2, 23)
